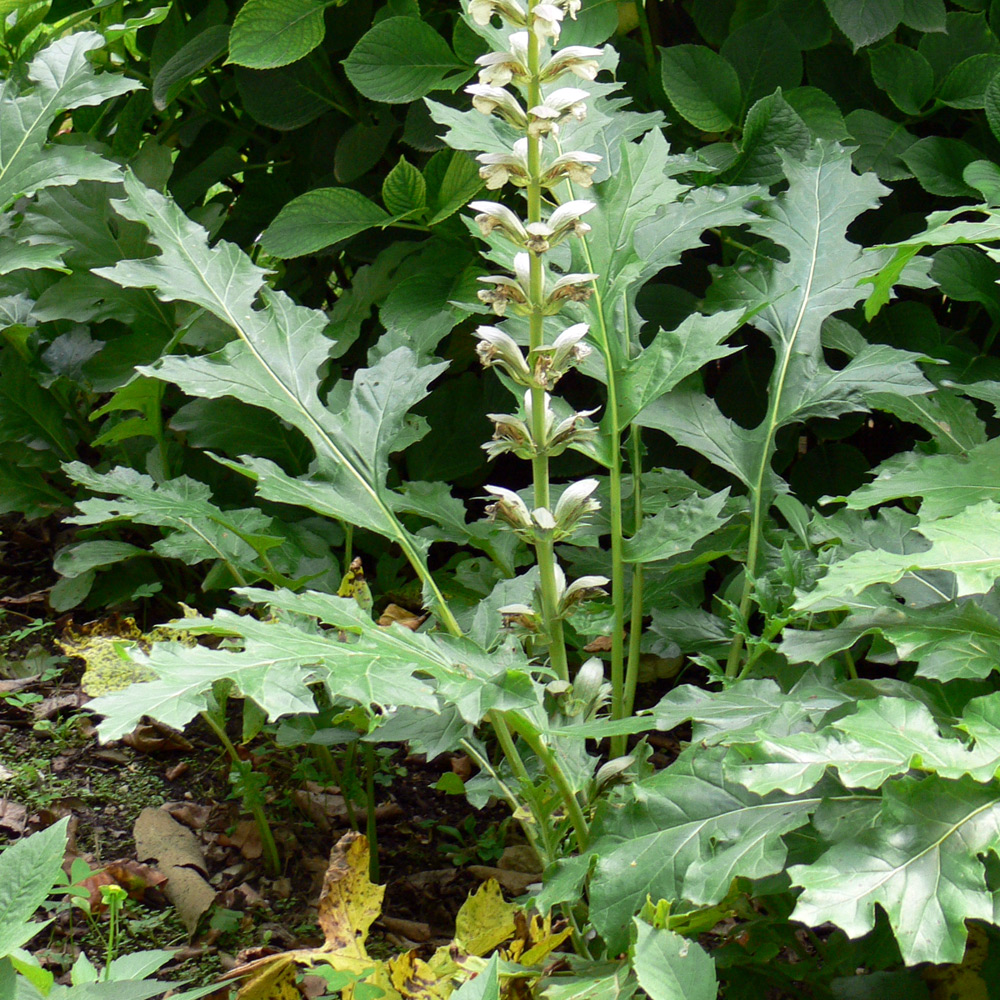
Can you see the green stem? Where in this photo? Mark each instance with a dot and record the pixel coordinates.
(544, 546)
(635, 624)
(255, 809)
(552, 767)
(371, 827)
(648, 51)
(333, 773)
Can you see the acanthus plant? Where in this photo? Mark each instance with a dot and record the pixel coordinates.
(800, 776)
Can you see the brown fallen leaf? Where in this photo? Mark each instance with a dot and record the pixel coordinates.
(394, 614)
(462, 766)
(177, 771)
(412, 930)
(50, 707)
(515, 883)
(246, 838)
(191, 814)
(153, 737)
(13, 816)
(174, 849)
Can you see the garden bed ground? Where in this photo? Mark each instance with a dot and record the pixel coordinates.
(433, 849)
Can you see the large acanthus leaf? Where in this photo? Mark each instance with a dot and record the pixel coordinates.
(946, 484)
(920, 862)
(684, 833)
(61, 77)
(885, 737)
(677, 528)
(789, 300)
(966, 544)
(945, 228)
(947, 641)
(274, 363)
(199, 529)
(356, 659)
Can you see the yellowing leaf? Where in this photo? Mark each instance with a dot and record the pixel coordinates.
(354, 585)
(104, 646)
(534, 941)
(485, 920)
(276, 982)
(413, 979)
(349, 901)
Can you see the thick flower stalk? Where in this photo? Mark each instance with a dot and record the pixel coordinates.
(530, 87)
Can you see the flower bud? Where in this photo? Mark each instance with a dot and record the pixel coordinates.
(575, 504)
(588, 680)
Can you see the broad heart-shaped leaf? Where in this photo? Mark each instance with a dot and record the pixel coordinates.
(318, 218)
(920, 863)
(402, 59)
(61, 78)
(670, 967)
(866, 21)
(188, 62)
(685, 833)
(947, 641)
(274, 364)
(28, 871)
(946, 484)
(883, 738)
(702, 86)
(967, 544)
(271, 33)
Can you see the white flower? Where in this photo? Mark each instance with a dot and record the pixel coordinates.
(545, 21)
(576, 503)
(563, 222)
(482, 11)
(499, 68)
(575, 166)
(550, 363)
(504, 291)
(498, 168)
(565, 219)
(509, 507)
(578, 59)
(492, 215)
(567, 346)
(579, 590)
(497, 348)
(566, 102)
(486, 100)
